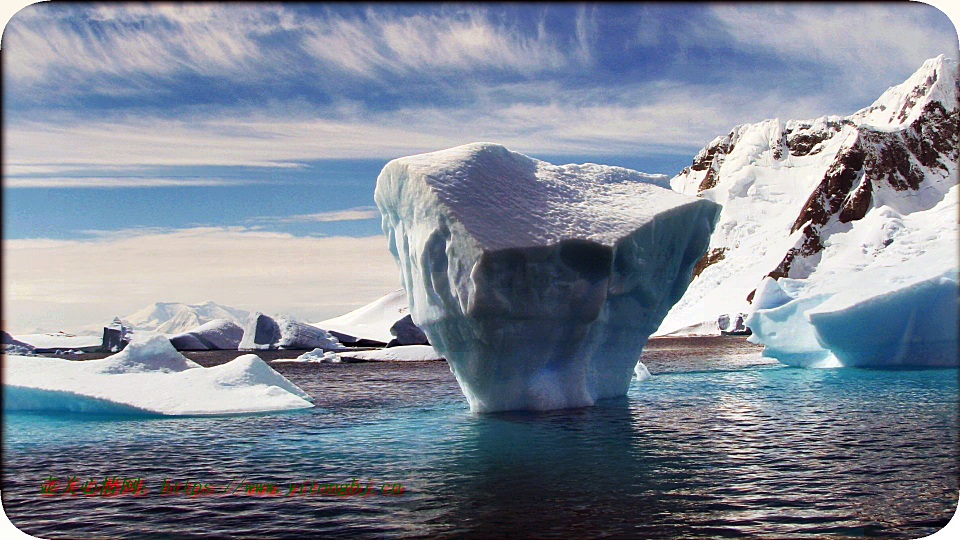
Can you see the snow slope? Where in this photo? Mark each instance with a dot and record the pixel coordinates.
(175, 317)
(148, 377)
(538, 283)
(789, 189)
(372, 321)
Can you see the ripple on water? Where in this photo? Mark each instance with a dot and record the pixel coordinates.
(720, 442)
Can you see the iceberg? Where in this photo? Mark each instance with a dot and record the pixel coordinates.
(538, 283)
(148, 377)
(265, 332)
(885, 294)
(882, 317)
(218, 334)
(641, 372)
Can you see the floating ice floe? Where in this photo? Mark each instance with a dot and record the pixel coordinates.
(538, 283)
(148, 377)
(641, 372)
(60, 341)
(403, 353)
(315, 356)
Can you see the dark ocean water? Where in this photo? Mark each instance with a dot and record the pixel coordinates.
(719, 443)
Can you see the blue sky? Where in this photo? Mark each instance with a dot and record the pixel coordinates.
(163, 130)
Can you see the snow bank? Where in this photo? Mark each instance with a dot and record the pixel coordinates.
(404, 353)
(59, 340)
(148, 377)
(372, 321)
(538, 283)
(218, 334)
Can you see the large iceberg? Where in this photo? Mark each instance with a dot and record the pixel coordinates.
(265, 332)
(218, 334)
(884, 294)
(538, 283)
(148, 377)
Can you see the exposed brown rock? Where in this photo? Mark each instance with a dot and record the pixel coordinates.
(712, 256)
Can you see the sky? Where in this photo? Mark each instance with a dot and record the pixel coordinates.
(156, 152)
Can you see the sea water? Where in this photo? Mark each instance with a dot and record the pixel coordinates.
(719, 442)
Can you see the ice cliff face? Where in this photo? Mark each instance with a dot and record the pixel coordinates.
(538, 283)
(790, 190)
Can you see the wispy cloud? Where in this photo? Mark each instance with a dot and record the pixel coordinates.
(350, 214)
(116, 274)
(865, 44)
(115, 182)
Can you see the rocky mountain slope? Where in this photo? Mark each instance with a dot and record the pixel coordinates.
(787, 188)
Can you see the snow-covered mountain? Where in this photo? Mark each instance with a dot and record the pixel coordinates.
(175, 317)
(791, 190)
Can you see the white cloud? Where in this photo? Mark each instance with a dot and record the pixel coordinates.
(154, 39)
(866, 43)
(117, 181)
(350, 214)
(60, 283)
(603, 122)
(463, 40)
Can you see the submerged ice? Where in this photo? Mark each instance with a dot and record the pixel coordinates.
(538, 283)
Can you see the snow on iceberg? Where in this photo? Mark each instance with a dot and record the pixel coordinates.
(148, 377)
(265, 332)
(884, 294)
(218, 334)
(538, 283)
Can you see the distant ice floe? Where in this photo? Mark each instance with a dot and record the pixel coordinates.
(148, 377)
(317, 355)
(403, 353)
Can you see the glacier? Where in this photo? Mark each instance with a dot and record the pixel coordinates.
(538, 283)
(149, 377)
